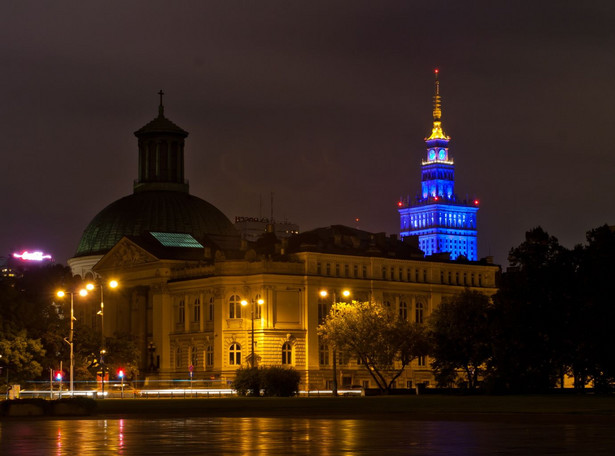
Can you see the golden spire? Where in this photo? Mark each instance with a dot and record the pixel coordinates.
(437, 132)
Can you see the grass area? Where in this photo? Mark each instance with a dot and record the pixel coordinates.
(555, 407)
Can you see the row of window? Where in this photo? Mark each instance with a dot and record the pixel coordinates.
(234, 356)
(324, 307)
(234, 352)
(193, 357)
(343, 358)
(396, 274)
(195, 311)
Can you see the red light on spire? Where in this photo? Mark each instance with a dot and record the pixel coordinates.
(476, 202)
(400, 203)
(436, 71)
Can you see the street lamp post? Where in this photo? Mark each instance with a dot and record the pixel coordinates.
(101, 312)
(61, 294)
(244, 303)
(324, 294)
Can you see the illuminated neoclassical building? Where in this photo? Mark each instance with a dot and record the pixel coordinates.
(184, 272)
(442, 222)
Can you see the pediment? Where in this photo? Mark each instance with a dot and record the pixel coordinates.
(125, 254)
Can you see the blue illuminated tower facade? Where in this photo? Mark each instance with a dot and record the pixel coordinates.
(442, 222)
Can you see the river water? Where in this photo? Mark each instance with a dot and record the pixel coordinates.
(297, 436)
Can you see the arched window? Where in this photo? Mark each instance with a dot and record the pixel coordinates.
(287, 353)
(403, 310)
(194, 356)
(234, 354)
(209, 356)
(178, 357)
(418, 312)
(234, 307)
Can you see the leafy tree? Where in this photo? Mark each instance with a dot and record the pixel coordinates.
(20, 354)
(121, 351)
(532, 315)
(593, 327)
(461, 336)
(384, 343)
(31, 322)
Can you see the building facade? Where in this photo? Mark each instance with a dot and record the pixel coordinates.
(189, 306)
(442, 222)
(191, 286)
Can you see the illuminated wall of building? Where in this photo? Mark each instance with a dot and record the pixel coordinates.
(442, 222)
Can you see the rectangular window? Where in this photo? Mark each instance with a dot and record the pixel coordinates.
(365, 384)
(346, 271)
(211, 309)
(421, 361)
(181, 312)
(328, 269)
(364, 272)
(318, 268)
(356, 270)
(323, 352)
(337, 269)
(196, 311)
(323, 310)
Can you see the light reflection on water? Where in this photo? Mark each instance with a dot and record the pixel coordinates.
(297, 436)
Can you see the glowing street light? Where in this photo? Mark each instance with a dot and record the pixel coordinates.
(244, 303)
(61, 294)
(90, 286)
(323, 294)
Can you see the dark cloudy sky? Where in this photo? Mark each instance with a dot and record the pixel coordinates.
(324, 103)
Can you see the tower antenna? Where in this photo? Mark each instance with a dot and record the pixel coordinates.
(437, 99)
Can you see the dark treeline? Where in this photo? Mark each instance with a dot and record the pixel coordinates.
(34, 326)
(553, 316)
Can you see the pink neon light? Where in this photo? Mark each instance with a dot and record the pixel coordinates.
(32, 256)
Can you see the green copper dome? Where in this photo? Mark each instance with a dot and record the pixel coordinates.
(165, 211)
(160, 202)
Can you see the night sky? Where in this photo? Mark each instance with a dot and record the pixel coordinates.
(323, 103)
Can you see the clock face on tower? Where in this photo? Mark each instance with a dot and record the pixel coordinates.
(442, 154)
(431, 155)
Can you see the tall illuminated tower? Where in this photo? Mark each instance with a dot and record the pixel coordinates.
(442, 222)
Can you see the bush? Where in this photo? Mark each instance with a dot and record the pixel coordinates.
(247, 382)
(272, 381)
(280, 381)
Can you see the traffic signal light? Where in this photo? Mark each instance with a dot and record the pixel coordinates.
(120, 373)
(58, 375)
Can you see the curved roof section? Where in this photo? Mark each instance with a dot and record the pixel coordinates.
(164, 211)
(161, 125)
